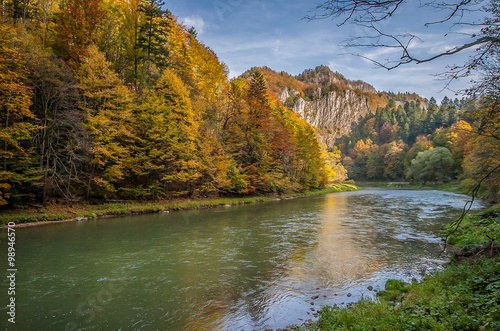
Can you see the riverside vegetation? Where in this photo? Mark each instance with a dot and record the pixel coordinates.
(386, 136)
(118, 100)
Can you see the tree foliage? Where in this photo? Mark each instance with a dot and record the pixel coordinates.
(119, 100)
(15, 113)
(432, 165)
(480, 35)
(77, 26)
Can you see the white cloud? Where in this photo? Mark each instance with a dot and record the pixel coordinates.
(264, 33)
(196, 21)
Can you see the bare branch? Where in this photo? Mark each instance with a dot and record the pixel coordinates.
(367, 14)
(356, 11)
(456, 9)
(458, 49)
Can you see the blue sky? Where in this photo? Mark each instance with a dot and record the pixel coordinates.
(273, 33)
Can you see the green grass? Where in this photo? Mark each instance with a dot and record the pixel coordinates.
(477, 230)
(465, 296)
(119, 209)
(452, 186)
(330, 189)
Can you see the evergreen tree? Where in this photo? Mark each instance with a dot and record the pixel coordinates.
(432, 103)
(152, 34)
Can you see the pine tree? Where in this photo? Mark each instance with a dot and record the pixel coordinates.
(152, 35)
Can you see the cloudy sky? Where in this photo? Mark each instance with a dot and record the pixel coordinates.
(273, 33)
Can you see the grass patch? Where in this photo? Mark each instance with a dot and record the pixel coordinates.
(451, 187)
(330, 189)
(463, 297)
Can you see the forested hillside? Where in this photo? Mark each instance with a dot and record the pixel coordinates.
(388, 136)
(407, 141)
(117, 99)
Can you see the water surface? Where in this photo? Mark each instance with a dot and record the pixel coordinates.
(237, 268)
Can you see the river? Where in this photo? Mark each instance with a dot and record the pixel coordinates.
(247, 267)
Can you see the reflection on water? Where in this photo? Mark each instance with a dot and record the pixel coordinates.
(247, 267)
(345, 252)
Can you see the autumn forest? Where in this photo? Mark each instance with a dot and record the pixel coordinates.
(118, 99)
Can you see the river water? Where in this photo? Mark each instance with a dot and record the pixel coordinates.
(247, 267)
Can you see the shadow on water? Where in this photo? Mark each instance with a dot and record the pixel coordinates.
(245, 267)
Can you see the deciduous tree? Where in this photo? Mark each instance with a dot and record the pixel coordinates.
(434, 164)
(77, 24)
(15, 114)
(107, 107)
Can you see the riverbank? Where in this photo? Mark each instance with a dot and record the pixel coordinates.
(462, 297)
(57, 213)
(451, 186)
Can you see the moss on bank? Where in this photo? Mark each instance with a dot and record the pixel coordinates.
(66, 212)
(465, 296)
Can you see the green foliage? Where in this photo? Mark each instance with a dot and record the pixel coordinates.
(396, 134)
(463, 297)
(16, 117)
(467, 128)
(394, 290)
(331, 189)
(477, 230)
(151, 38)
(432, 165)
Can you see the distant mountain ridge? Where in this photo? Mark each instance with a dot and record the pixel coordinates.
(327, 100)
(324, 77)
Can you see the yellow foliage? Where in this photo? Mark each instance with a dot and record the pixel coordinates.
(15, 102)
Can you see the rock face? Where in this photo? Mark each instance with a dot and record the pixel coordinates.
(362, 86)
(334, 114)
(285, 93)
(328, 101)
